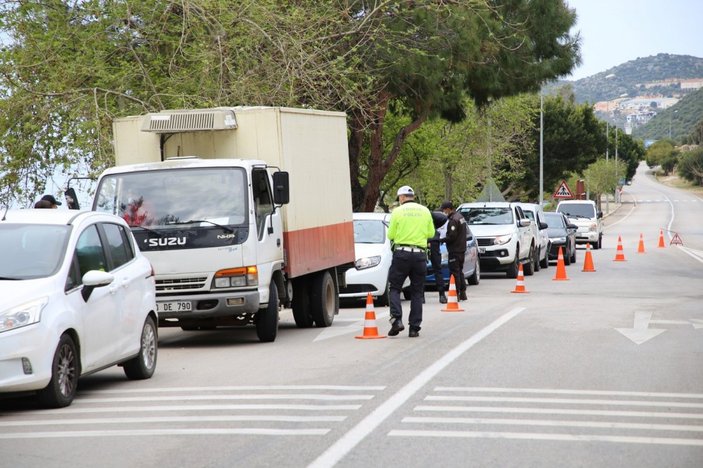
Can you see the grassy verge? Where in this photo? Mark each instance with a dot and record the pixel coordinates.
(675, 181)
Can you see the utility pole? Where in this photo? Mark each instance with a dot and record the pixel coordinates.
(607, 128)
(541, 149)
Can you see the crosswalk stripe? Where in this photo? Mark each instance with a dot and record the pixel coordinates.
(559, 391)
(521, 410)
(565, 401)
(163, 432)
(220, 407)
(320, 397)
(169, 419)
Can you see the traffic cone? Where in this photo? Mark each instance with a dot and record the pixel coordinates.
(619, 254)
(560, 274)
(588, 260)
(452, 301)
(640, 246)
(662, 244)
(370, 328)
(520, 285)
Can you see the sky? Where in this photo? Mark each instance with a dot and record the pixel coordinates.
(616, 31)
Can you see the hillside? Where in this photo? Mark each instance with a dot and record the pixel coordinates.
(682, 117)
(630, 78)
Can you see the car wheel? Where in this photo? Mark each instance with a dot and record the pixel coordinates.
(475, 278)
(301, 303)
(65, 370)
(385, 298)
(567, 257)
(513, 268)
(573, 256)
(267, 319)
(142, 366)
(323, 299)
(529, 265)
(537, 256)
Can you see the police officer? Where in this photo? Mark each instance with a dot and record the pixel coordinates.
(409, 230)
(439, 219)
(456, 246)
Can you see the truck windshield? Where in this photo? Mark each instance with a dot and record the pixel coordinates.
(156, 199)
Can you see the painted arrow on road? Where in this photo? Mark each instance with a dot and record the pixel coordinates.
(639, 333)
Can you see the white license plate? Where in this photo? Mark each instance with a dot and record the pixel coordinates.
(174, 306)
(481, 250)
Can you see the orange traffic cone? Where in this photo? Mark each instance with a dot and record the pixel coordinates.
(452, 301)
(619, 254)
(588, 260)
(560, 274)
(640, 246)
(370, 328)
(662, 244)
(520, 285)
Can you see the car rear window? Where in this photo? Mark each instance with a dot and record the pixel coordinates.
(583, 210)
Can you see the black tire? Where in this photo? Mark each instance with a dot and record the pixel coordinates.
(567, 257)
(385, 298)
(324, 300)
(545, 263)
(529, 266)
(573, 256)
(512, 270)
(65, 370)
(301, 303)
(600, 242)
(537, 263)
(267, 319)
(143, 365)
(475, 278)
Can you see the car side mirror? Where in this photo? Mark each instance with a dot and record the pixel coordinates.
(95, 279)
(572, 226)
(600, 214)
(524, 222)
(543, 226)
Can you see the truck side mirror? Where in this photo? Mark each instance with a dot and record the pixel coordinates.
(281, 188)
(600, 214)
(71, 199)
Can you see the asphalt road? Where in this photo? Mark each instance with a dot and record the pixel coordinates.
(604, 369)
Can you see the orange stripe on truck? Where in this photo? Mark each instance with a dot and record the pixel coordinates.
(318, 248)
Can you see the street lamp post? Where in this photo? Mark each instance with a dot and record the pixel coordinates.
(541, 149)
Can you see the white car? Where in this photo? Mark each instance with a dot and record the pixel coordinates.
(586, 216)
(373, 259)
(539, 229)
(505, 238)
(76, 296)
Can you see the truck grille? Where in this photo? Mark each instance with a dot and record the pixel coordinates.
(180, 284)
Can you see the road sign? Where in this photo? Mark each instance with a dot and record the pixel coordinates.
(563, 191)
(676, 240)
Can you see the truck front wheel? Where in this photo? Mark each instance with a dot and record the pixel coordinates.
(323, 299)
(267, 319)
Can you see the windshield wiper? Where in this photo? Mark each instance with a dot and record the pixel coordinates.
(578, 216)
(194, 221)
(146, 229)
(8, 278)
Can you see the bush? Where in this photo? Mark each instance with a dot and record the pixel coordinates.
(690, 166)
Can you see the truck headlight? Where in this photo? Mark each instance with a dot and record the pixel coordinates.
(22, 315)
(237, 277)
(367, 262)
(500, 240)
(593, 227)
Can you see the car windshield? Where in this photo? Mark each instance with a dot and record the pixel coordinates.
(530, 215)
(369, 231)
(578, 210)
(155, 199)
(486, 215)
(554, 220)
(31, 250)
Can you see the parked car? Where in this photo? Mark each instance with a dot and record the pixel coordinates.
(586, 216)
(472, 265)
(505, 238)
(76, 296)
(561, 234)
(373, 259)
(539, 229)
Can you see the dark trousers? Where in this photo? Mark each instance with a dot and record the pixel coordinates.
(436, 261)
(414, 265)
(456, 268)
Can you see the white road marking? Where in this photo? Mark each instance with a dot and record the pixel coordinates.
(170, 419)
(639, 333)
(164, 432)
(695, 254)
(555, 437)
(348, 441)
(556, 423)
(567, 392)
(523, 410)
(290, 396)
(144, 409)
(238, 388)
(571, 401)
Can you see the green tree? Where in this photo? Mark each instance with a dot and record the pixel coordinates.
(662, 153)
(67, 69)
(602, 176)
(690, 166)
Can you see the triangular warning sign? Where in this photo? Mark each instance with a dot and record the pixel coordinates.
(563, 191)
(676, 240)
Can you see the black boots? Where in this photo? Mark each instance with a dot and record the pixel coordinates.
(442, 297)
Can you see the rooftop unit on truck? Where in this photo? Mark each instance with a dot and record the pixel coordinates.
(241, 210)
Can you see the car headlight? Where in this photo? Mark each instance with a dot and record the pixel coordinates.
(500, 240)
(367, 262)
(22, 315)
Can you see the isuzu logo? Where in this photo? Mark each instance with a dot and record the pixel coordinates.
(165, 241)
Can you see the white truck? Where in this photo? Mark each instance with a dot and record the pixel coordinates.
(207, 192)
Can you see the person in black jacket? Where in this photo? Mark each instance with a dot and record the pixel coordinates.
(456, 246)
(439, 219)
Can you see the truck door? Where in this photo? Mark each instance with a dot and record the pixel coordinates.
(269, 228)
